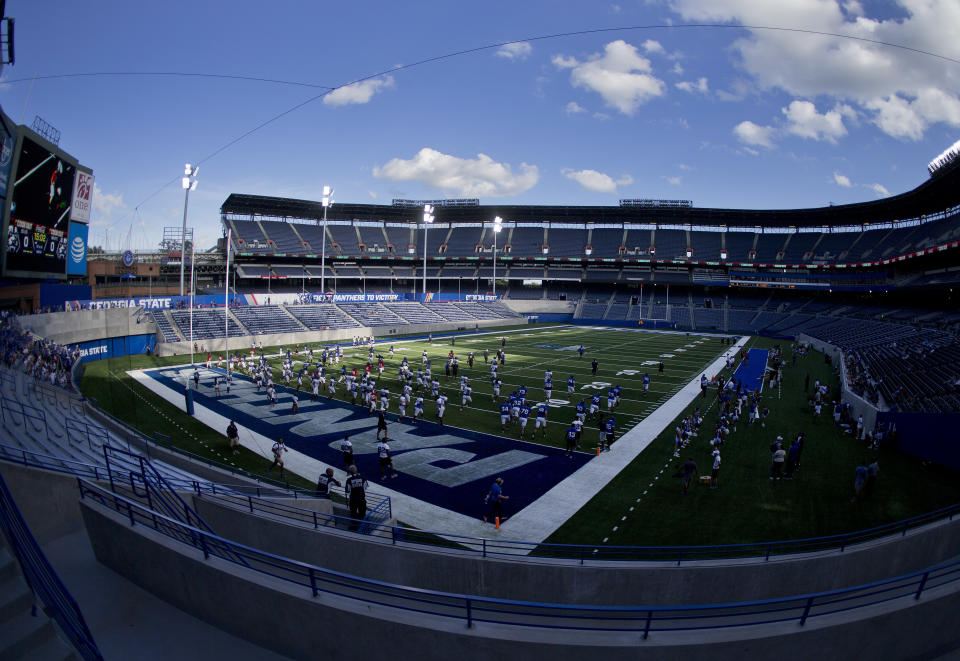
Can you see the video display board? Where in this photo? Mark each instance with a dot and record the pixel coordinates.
(37, 233)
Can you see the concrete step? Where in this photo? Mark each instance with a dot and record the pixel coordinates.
(24, 633)
(15, 598)
(52, 650)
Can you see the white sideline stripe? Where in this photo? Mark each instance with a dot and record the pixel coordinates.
(412, 511)
(545, 515)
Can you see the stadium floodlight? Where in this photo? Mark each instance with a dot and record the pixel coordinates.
(497, 226)
(427, 219)
(327, 201)
(189, 183)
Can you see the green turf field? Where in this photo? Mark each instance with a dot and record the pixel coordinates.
(623, 356)
(641, 506)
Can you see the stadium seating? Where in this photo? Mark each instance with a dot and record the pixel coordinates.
(322, 317)
(207, 324)
(283, 237)
(370, 314)
(414, 313)
(266, 319)
(167, 331)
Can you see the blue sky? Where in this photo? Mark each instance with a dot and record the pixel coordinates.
(726, 117)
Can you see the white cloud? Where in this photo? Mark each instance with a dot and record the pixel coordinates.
(478, 177)
(620, 75)
(804, 120)
(685, 167)
(897, 117)
(597, 181)
(517, 50)
(880, 190)
(699, 86)
(877, 80)
(653, 46)
(616, 9)
(105, 204)
(574, 108)
(372, 194)
(675, 181)
(841, 180)
(753, 134)
(677, 68)
(360, 92)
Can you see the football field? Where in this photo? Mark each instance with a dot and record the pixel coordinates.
(623, 356)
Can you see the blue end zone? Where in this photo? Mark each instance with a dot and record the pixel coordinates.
(447, 467)
(751, 371)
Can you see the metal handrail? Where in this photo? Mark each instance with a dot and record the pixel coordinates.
(43, 579)
(506, 547)
(527, 614)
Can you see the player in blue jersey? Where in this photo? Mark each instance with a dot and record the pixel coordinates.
(571, 440)
(617, 390)
(571, 385)
(594, 404)
(610, 426)
(582, 409)
(541, 421)
(611, 399)
(522, 392)
(646, 383)
(524, 414)
(504, 416)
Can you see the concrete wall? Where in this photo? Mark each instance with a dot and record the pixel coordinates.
(382, 333)
(85, 325)
(625, 583)
(858, 405)
(49, 501)
(284, 617)
(540, 306)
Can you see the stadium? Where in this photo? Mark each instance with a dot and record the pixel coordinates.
(446, 426)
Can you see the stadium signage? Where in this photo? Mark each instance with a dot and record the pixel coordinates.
(363, 298)
(482, 297)
(82, 197)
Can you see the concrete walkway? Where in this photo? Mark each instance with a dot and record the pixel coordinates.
(534, 523)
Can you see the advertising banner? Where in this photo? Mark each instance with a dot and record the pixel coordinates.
(82, 197)
(77, 249)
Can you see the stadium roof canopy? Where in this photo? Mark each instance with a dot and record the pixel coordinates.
(940, 192)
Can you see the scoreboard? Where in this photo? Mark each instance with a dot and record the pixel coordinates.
(39, 205)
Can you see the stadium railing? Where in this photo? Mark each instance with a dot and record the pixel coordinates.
(43, 580)
(642, 620)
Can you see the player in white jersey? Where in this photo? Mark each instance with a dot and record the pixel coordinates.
(496, 389)
(331, 388)
(578, 426)
(434, 387)
(466, 397)
(402, 404)
(384, 399)
(441, 407)
(463, 382)
(418, 408)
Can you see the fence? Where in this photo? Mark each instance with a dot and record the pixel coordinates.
(42, 579)
(642, 620)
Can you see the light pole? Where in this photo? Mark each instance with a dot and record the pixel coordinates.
(497, 226)
(427, 219)
(326, 201)
(189, 182)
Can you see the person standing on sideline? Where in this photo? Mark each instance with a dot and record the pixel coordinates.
(233, 437)
(873, 470)
(278, 449)
(580, 351)
(295, 405)
(593, 366)
(859, 481)
(323, 483)
(346, 447)
(495, 498)
(381, 425)
(386, 463)
(715, 473)
(688, 470)
(486, 354)
(356, 489)
(778, 457)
